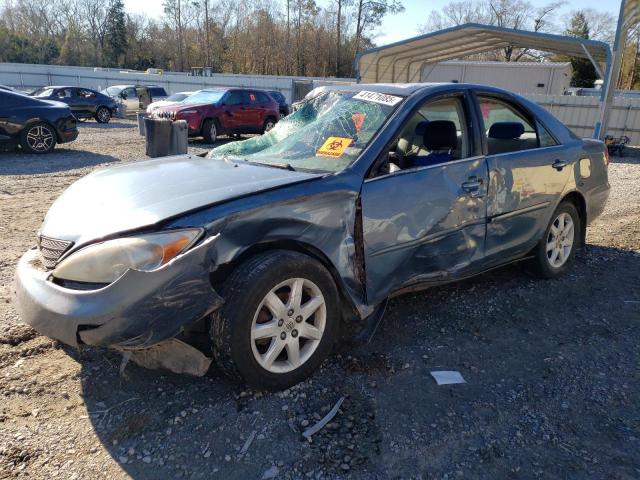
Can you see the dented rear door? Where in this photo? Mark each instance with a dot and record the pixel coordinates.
(423, 224)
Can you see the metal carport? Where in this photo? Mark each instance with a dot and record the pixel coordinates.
(403, 61)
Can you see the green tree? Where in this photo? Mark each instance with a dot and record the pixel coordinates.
(116, 35)
(584, 73)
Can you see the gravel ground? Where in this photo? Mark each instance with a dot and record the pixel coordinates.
(552, 370)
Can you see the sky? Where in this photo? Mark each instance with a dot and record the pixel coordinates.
(400, 26)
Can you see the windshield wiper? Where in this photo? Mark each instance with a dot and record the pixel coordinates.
(283, 166)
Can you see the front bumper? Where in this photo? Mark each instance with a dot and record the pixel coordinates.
(136, 311)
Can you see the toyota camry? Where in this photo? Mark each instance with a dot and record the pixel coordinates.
(279, 246)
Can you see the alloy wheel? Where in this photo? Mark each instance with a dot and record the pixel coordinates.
(288, 325)
(560, 240)
(40, 138)
(103, 115)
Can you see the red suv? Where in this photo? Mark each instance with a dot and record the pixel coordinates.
(213, 112)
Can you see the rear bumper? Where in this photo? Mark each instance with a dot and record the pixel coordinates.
(136, 311)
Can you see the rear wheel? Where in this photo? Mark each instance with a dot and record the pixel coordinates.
(278, 322)
(557, 248)
(210, 131)
(38, 138)
(103, 115)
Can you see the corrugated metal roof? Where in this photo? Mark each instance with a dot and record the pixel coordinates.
(402, 61)
(507, 64)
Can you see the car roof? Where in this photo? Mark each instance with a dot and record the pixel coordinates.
(405, 89)
(68, 86)
(133, 85)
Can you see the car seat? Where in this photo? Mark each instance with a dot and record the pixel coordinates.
(505, 137)
(410, 146)
(440, 139)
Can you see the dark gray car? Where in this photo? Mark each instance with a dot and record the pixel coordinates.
(277, 244)
(84, 102)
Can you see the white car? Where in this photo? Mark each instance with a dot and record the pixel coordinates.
(129, 95)
(170, 100)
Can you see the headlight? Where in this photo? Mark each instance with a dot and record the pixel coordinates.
(106, 262)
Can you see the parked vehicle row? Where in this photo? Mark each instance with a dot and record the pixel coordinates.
(278, 244)
(209, 113)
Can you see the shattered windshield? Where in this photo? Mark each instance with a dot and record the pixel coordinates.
(327, 133)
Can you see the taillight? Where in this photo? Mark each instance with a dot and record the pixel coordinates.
(606, 157)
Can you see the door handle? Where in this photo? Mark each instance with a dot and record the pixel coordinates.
(559, 164)
(472, 185)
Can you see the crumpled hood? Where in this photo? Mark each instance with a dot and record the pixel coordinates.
(143, 193)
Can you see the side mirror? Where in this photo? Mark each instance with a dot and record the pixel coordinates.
(123, 95)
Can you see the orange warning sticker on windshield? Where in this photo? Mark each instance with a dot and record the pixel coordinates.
(334, 147)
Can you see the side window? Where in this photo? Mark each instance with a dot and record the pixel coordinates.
(64, 93)
(544, 137)
(86, 93)
(129, 93)
(435, 134)
(507, 130)
(235, 97)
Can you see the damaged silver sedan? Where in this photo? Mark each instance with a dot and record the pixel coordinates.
(279, 245)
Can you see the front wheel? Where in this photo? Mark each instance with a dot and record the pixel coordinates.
(279, 320)
(103, 115)
(557, 248)
(210, 131)
(38, 138)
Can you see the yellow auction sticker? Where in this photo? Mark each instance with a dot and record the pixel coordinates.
(334, 147)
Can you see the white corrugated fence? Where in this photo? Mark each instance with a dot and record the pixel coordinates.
(578, 113)
(581, 113)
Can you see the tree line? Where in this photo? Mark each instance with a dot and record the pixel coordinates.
(284, 37)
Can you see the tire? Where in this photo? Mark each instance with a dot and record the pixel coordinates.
(210, 131)
(556, 250)
(38, 138)
(246, 292)
(269, 123)
(103, 115)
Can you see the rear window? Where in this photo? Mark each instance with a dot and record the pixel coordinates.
(277, 96)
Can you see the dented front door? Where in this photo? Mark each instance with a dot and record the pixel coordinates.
(423, 224)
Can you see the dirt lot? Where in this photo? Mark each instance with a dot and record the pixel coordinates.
(552, 371)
